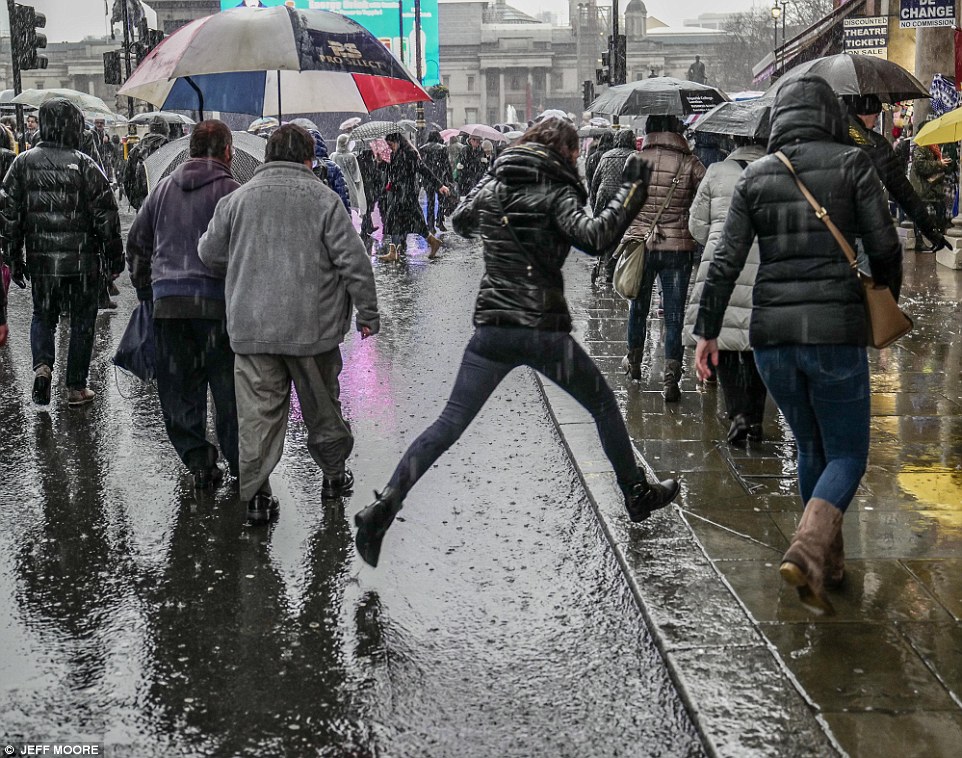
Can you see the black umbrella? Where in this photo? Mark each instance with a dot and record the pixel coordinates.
(749, 118)
(850, 74)
(658, 96)
(249, 152)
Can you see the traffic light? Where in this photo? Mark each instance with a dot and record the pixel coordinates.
(113, 73)
(149, 39)
(603, 74)
(588, 92)
(26, 40)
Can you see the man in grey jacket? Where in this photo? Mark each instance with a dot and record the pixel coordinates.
(295, 269)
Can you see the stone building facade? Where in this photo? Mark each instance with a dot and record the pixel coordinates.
(494, 56)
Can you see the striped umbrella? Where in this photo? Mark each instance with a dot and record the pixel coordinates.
(273, 61)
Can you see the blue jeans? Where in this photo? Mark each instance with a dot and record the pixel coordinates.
(823, 390)
(489, 357)
(73, 296)
(674, 271)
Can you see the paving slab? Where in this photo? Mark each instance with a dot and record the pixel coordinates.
(760, 676)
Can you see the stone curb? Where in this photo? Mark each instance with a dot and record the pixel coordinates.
(742, 698)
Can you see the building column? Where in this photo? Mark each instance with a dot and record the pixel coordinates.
(501, 101)
(529, 96)
(483, 83)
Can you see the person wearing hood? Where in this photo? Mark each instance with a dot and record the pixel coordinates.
(60, 210)
(328, 171)
(529, 212)
(455, 149)
(670, 249)
(436, 159)
(744, 390)
(372, 180)
(808, 327)
(190, 319)
(135, 175)
(404, 215)
(347, 162)
(606, 181)
(863, 113)
(472, 165)
(597, 150)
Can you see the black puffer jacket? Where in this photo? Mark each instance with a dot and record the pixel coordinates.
(541, 199)
(59, 204)
(805, 293)
(892, 173)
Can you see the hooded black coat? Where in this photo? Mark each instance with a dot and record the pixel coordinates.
(805, 292)
(530, 210)
(58, 202)
(404, 215)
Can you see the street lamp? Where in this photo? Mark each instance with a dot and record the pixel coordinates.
(776, 13)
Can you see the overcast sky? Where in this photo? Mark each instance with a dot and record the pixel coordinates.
(71, 20)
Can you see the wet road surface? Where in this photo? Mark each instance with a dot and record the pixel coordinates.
(139, 615)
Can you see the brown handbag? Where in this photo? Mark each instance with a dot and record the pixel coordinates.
(886, 321)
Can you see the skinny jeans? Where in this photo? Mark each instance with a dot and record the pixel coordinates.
(823, 391)
(492, 353)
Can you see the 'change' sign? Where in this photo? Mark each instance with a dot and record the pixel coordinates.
(867, 36)
(914, 14)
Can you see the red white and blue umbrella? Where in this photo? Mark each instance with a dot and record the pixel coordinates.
(271, 61)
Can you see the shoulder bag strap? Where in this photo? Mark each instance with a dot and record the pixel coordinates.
(821, 213)
(671, 191)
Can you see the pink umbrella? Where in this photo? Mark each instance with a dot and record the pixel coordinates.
(449, 133)
(483, 132)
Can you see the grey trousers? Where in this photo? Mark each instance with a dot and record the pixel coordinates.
(262, 384)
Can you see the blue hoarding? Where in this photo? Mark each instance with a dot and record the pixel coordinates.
(381, 18)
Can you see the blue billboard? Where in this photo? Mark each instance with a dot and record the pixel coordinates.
(383, 20)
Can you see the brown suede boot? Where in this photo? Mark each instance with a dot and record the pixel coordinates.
(835, 566)
(434, 244)
(391, 254)
(804, 564)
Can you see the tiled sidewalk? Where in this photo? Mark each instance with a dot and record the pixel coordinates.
(881, 678)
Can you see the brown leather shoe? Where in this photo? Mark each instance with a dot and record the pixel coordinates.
(434, 244)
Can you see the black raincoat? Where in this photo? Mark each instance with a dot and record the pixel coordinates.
(404, 214)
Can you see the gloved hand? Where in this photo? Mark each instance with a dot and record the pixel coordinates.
(145, 294)
(637, 169)
(941, 243)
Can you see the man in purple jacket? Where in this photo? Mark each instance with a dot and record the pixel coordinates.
(190, 322)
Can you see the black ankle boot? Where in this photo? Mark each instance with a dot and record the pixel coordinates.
(738, 432)
(373, 522)
(642, 498)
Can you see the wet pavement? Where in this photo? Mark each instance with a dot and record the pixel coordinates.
(761, 676)
(139, 615)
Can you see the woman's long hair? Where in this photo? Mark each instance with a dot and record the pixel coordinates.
(556, 133)
(403, 143)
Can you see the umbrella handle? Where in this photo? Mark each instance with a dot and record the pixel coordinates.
(200, 97)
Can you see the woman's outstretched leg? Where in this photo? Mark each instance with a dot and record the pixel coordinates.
(477, 378)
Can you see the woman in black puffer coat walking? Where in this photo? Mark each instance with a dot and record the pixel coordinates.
(404, 206)
(529, 212)
(808, 325)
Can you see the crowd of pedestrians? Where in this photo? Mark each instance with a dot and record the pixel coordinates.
(775, 309)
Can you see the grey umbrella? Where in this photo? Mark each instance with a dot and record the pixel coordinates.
(658, 96)
(168, 116)
(380, 130)
(750, 118)
(248, 155)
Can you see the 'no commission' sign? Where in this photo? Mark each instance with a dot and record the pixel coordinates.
(914, 14)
